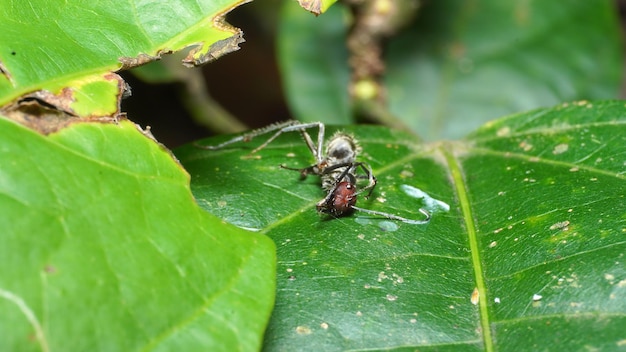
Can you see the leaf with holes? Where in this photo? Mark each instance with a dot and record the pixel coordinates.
(530, 254)
(69, 50)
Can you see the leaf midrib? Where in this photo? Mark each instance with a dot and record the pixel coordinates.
(457, 176)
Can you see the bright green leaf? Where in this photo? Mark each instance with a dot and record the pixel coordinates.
(536, 227)
(89, 90)
(104, 248)
(47, 45)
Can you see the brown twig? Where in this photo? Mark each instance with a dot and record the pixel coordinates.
(375, 21)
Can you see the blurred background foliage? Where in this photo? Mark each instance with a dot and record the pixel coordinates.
(436, 68)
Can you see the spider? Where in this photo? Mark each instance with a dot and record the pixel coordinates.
(337, 168)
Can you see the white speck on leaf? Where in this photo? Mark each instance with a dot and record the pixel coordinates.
(303, 330)
(382, 276)
(406, 174)
(475, 296)
(560, 148)
(526, 146)
(561, 225)
(503, 131)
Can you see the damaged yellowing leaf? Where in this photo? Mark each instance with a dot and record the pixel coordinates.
(78, 45)
(90, 90)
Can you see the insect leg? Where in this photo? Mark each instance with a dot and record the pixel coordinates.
(280, 128)
(396, 217)
(250, 135)
(349, 169)
(293, 126)
(370, 176)
(352, 167)
(316, 150)
(304, 172)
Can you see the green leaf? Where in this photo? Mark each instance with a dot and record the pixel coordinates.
(460, 64)
(48, 46)
(463, 64)
(314, 64)
(104, 248)
(536, 227)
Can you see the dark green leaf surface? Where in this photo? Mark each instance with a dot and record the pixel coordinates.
(461, 63)
(103, 248)
(536, 226)
(314, 63)
(465, 63)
